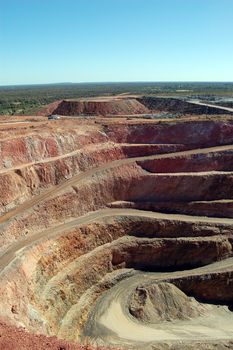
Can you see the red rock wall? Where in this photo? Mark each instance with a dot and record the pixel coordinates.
(194, 133)
(219, 161)
(95, 108)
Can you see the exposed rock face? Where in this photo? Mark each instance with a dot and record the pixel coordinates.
(174, 104)
(117, 106)
(196, 133)
(221, 161)
(163, 302)
(127, 105)
(216, 208)
(87, 206)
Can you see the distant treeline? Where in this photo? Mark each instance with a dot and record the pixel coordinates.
(26, 99)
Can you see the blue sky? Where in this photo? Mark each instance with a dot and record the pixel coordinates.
(47, 41)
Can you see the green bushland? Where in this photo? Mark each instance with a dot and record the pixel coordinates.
(26, 99)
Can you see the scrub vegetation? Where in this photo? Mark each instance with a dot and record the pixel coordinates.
(26, 99)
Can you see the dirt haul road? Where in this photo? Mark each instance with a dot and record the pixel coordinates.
(110, 321)
(117, 163)
(11, 253)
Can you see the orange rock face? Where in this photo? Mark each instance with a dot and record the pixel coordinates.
(125, 105)
(88, 206)
(104, 107)
(13, 338)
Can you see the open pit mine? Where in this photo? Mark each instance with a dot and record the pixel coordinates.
(117, 230)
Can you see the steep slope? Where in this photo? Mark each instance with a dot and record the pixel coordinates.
(103, 107)
(93, 212)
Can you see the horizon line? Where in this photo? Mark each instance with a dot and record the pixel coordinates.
(118, 82)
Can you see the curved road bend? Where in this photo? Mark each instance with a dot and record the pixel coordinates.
(116, 163)
(12, 251)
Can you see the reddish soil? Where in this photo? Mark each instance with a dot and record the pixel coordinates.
(117, 106)
(12, 338)
(86, 203)
(127, 105)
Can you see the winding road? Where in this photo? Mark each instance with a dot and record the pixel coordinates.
(110, 321)
(109, 165)
(222, 108)
(7, 257)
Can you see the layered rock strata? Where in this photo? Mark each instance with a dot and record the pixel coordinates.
(132, 220)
